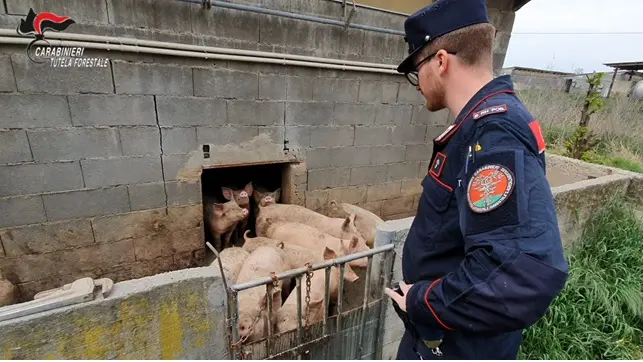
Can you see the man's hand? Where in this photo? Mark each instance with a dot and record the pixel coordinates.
(399, 299)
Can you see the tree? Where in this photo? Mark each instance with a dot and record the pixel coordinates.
(583, 139)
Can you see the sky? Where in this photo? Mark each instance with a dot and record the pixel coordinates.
(566, 52)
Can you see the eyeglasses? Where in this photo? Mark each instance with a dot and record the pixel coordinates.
(413, 77)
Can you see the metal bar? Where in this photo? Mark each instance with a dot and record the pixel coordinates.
(386, 272)
(295, 272)
(300, 336)
(364, 305)
(286, 14)
(235, 324)
(326, 305)
(375, 8)
(339, 311)
(216, 254)
(612, 82)
(269, 292)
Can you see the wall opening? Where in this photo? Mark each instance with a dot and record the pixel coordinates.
(262, 178)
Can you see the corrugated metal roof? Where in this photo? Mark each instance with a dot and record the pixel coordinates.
(626, 65)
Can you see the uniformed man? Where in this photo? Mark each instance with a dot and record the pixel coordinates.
(483, 259)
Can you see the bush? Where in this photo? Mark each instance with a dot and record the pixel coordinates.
(599, 314)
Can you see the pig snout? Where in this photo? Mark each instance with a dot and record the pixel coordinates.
(245, 212)
(243, 194)
(245, 327)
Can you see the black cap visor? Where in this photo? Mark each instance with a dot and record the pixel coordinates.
(408, 64)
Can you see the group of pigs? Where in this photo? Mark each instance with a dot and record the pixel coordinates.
(287, 237)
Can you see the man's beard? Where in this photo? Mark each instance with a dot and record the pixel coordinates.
(435, 97)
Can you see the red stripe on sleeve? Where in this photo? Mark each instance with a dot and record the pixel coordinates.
(426, 300)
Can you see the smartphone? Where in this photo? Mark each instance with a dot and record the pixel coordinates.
(396, 288)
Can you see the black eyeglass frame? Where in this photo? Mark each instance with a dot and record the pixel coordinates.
(412, 76)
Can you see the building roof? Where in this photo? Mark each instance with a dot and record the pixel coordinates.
(535, 70)
(626, 65)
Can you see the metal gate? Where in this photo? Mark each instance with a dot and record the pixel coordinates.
(344, 333)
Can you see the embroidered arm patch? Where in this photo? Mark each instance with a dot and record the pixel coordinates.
(502, 108)
(492, 191)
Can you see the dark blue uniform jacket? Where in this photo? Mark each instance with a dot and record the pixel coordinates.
(484, 252)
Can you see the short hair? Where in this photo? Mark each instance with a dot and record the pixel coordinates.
(473, 44)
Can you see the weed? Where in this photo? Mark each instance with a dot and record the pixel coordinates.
(599, 314)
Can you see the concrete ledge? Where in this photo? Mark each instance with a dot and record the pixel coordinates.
(177, 315)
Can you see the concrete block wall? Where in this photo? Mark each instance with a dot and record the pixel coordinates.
(121, 145)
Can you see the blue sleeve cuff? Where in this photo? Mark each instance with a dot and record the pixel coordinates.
(419, 311)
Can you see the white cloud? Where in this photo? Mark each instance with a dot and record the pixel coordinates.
(567, 52)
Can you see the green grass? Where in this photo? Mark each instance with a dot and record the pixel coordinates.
(599, 314)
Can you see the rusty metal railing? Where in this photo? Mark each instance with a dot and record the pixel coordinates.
(303, 345)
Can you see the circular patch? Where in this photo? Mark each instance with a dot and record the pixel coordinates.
(489, 187)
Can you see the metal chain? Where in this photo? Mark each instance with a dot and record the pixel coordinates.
(309, 275)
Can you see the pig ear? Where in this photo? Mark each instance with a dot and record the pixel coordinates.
(227, 193)
(248, 188)
(329, 253)
(349, 274)
(350, 219)
(277, 194)
(276, 300)
(256, 195)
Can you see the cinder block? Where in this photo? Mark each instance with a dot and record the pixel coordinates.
(141, 78)
(422, 116)
(369, 175)
(112, 110)
(46, 238)
(353, 194)
(276, 134)
(163, 15)
(419, 152)
(393, 114)
(14, 147)
(293, 33)
(225, 83)
(33, 78)
(35, 178)
(328, 178)
(7, 80)
(317, 200)
(319, 158)
(309, 113)
(74, 144)
(383, 191)
(224, 23)
(185, 217)
(183, 193)
(347, 113)
(300, 88)
(225, 135)
(424, 169)
(146, 196)
(140, 141)
(403, 171)
(172, 165)
(405, 135)
(22, 211)
(121, 171)
(377, 135)
(112, 228)
(412, 187)
(191, 111)
(381, 155)
(34, 110)
(398, 205)
(151, 248)
(340, 136)
(351, 156)
(86, 203)
(298, 137)
(82, 11)
(335, 90)
(273, 87)
(178, 140)
(408, 94)
(378, 92)
(255, 113)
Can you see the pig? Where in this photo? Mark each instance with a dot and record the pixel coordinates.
(365, 221)
(297, 256)
(287, 316)
(306, 236)
(337, 227)
(264, 198)
(8, 292)
(253, 302)
(232, 260)
(242, 197)
(221, 218)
